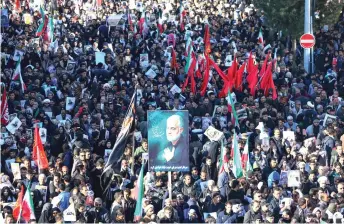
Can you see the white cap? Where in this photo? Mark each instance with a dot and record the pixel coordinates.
(46, 101)
(309, 103)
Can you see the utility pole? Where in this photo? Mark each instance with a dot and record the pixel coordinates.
(313, 18)
(307, 29)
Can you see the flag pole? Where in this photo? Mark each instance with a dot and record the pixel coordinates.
(20, 212)
(133, 137)
(170, 185)
(132, 152)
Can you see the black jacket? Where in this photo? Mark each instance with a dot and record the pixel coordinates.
(129, 209)
(251, 216)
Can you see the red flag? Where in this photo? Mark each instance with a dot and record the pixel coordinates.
(17, 5)
(206, 76)
(263, 68)
(238, 77)
(18, 205)
(160, 27)
(4, 108)
(222, 75)
(231, 73)
(38, 151)
(191, 76)
(218, 70)
(252, 78)
(267, 82)
(174, 64)
(171, 39)
(99, 3)
(207, 45)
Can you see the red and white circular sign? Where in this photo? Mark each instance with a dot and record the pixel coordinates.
(307, 40)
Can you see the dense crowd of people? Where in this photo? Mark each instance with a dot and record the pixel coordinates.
(81, 102)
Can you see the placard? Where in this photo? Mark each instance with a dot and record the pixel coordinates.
(138, 136)
(289, 136)
(70, 103)
(4, 18)
(144, 60)
(69, 215)
(27, 19)
(71, 66)
(8, 163)
(294, 178)
(43, 135)
(151, 74)
(223, 121)
(175, 89)
(213, 134)
(283, 178)
(16, 171)
(113, 20)
(206, 122)
(168, 140)
(145, 156)
(100, 57)
(18, 54)
(14, 125)
(107, 154)
(212, 214)
(327, 117)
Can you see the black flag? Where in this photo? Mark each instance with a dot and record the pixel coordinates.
(114, 160)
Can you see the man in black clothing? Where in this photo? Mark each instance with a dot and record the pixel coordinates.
(274, 203)
(236, 192)
(128, 206)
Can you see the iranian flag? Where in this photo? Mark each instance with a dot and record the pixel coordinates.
(4, 108)
(237, 166)
(139, 189)
(49, 32)
(142, 21)
(18, 205)
(24, 208)
(159, 24)
(18, 77)
(188, 46)
(223, 159)
(27, 209)
(189, 52)
(244, 156)
(260, 37)
(182, 14)
(231, 107)
(42, 27)
(190, 66)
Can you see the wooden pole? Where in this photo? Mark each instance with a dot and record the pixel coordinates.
(132, 153)
(170, 185)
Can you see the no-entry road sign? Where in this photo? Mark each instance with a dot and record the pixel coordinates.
(307, 40)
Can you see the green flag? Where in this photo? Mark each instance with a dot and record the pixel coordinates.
(140, 188)
(237, 165)
(235, 115)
